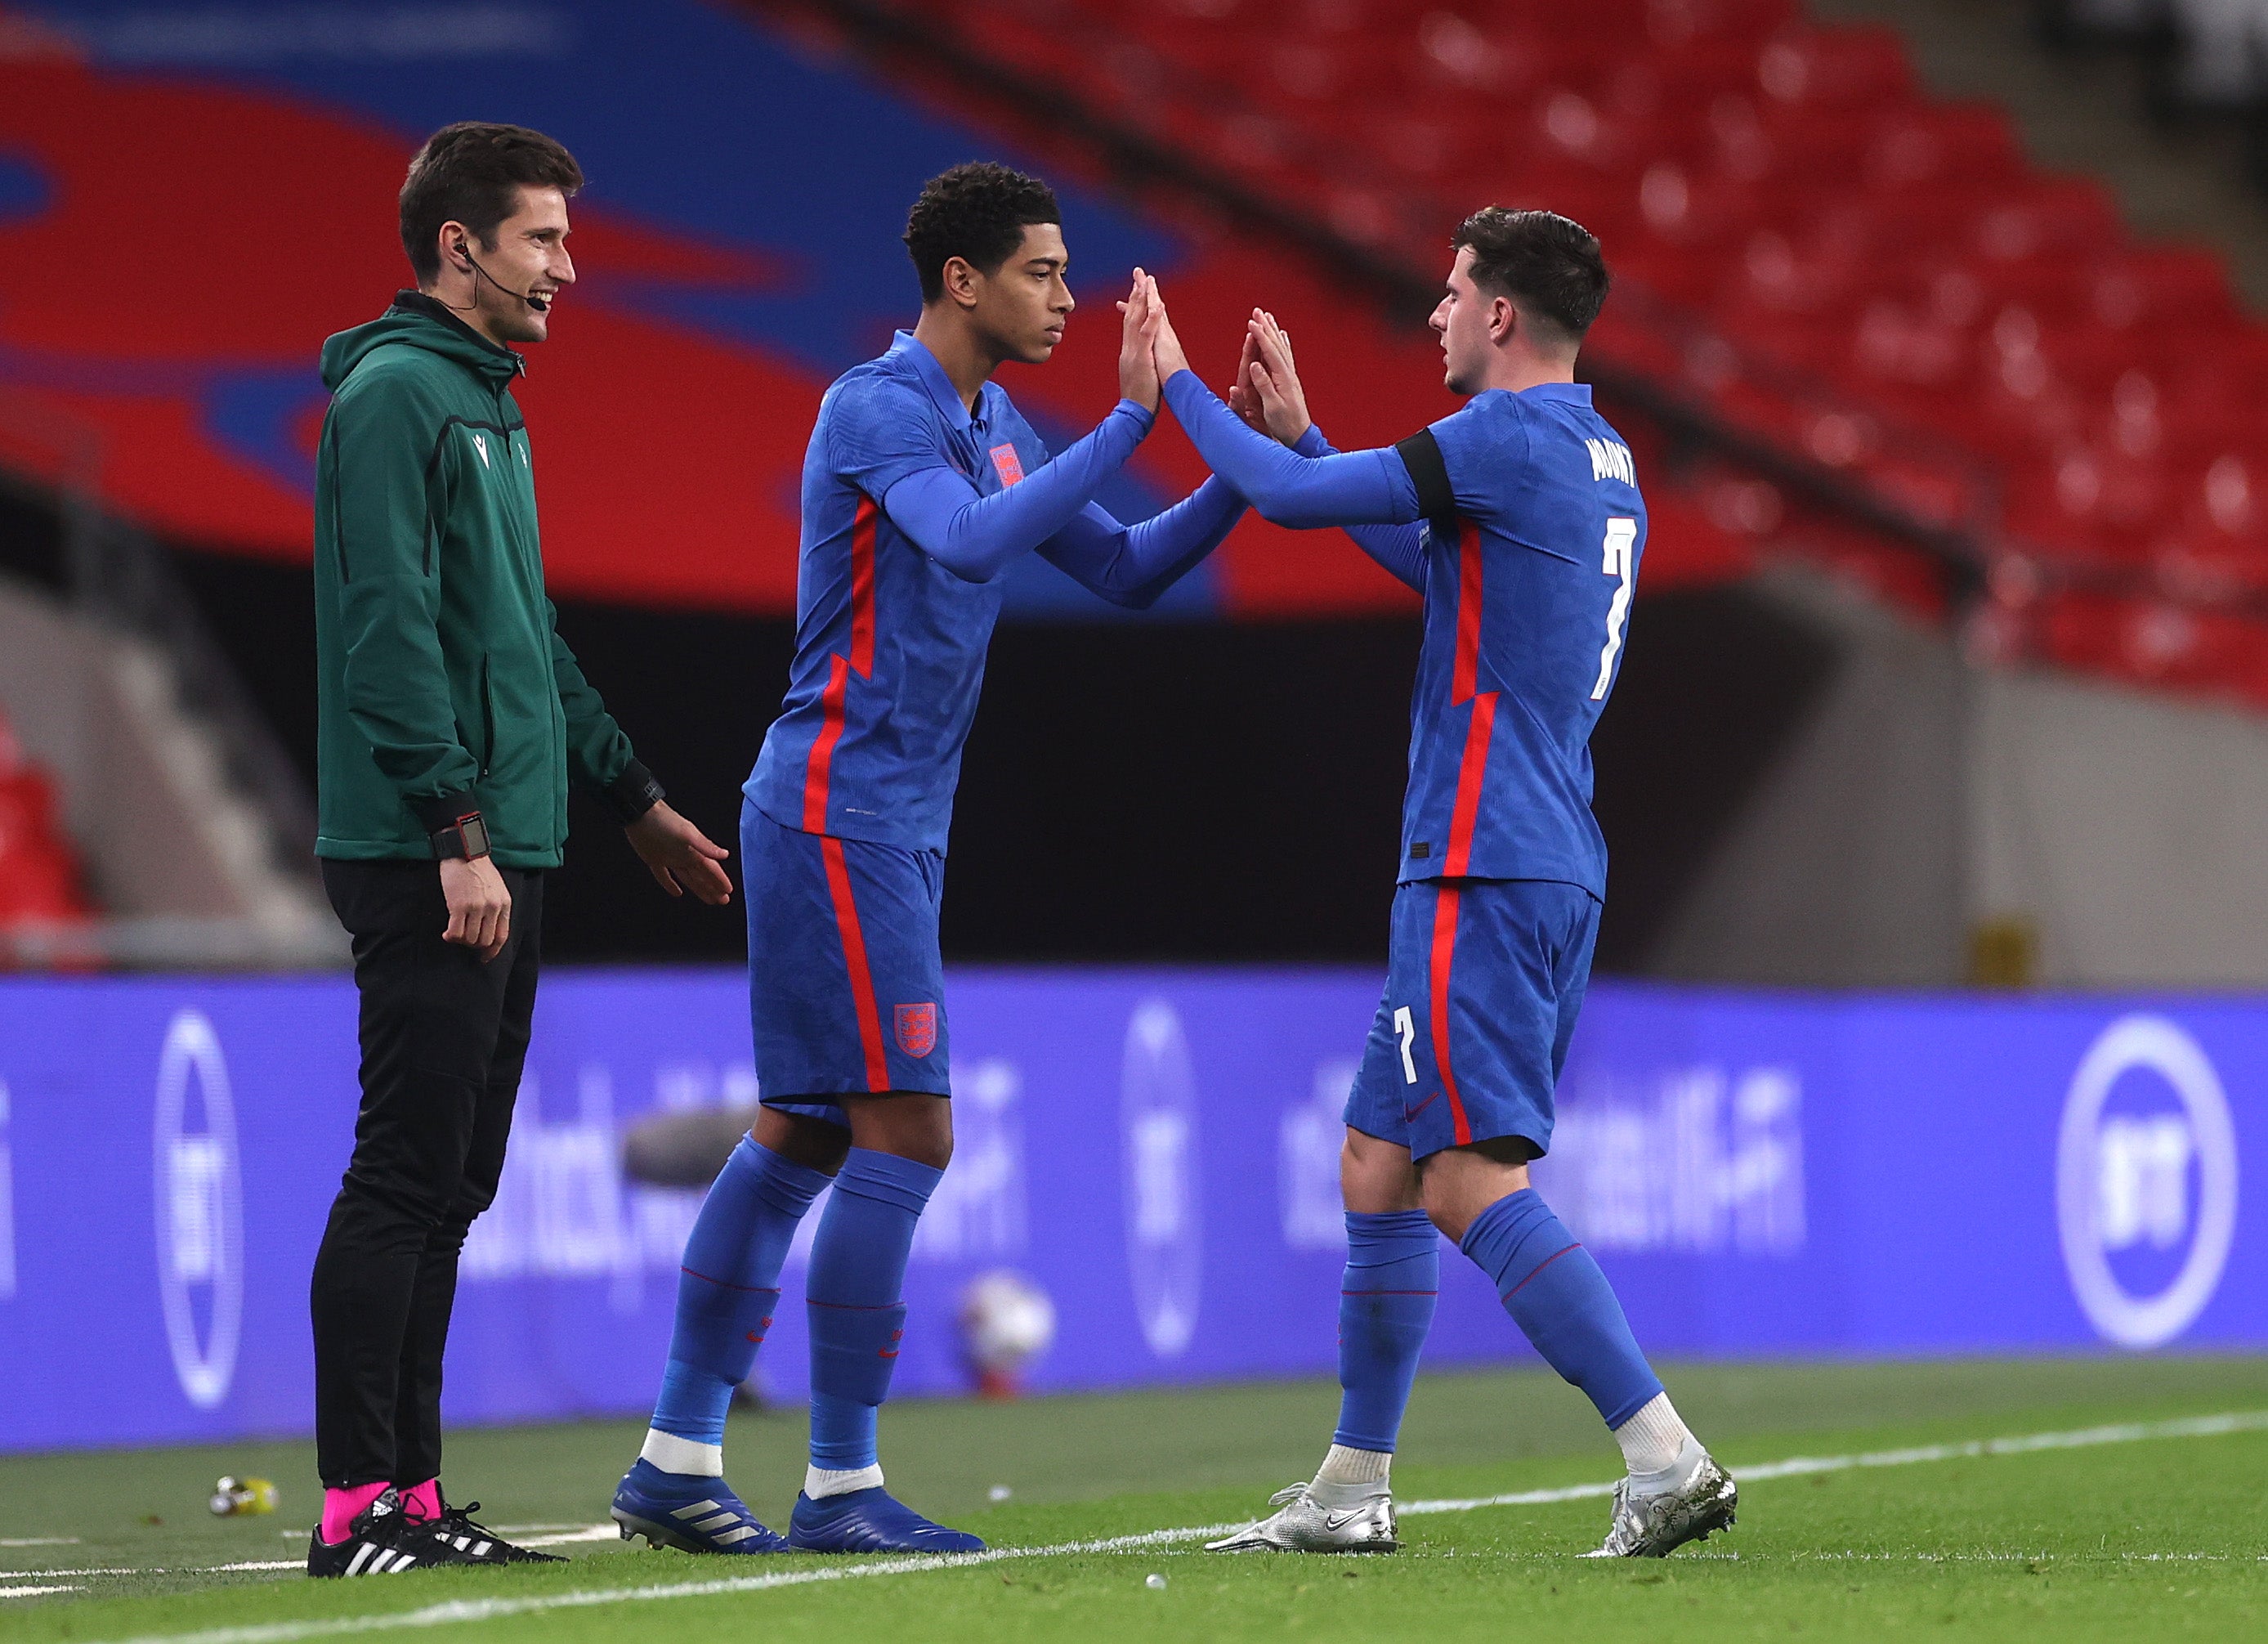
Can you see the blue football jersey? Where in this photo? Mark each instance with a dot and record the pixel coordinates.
(890, 645)
(1527, 596)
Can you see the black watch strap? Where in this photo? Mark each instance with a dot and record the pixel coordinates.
(633, 794)
(466, 836)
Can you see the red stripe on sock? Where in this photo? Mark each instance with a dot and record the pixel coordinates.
(1538, 1268)
(722, 1284)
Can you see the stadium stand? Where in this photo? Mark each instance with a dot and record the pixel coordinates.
(2001, 358)
(747, 287)
(1855, 329)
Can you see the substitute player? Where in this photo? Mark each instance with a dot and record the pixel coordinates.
(921, 485)
(1532, 529)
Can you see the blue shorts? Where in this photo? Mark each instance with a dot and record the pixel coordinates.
(846, 992)
(1485, 978)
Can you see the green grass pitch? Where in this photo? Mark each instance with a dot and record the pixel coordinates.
(2148, 1538)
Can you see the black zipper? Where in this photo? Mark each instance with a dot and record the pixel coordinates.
(488, 718)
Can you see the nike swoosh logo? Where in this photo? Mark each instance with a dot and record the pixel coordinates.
(1412, 1113)
(1340, 1520)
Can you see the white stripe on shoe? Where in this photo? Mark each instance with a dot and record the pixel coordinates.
(361, 1557)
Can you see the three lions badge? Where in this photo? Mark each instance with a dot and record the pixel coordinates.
(918, 1029)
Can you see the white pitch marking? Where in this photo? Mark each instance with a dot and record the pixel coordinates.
(159, 1569)
(609, 1531)
(1797, 1466)
(463, 1610)
(39, 1541)
(35, 1592)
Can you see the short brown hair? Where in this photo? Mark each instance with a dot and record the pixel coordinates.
(472, 173)
(1548, 265)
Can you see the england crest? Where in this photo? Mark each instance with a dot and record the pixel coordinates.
(918, 1029)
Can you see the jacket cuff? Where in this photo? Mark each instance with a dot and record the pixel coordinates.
(633, 794)
(443, 810)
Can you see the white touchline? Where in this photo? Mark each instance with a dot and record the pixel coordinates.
(463, 1610)
(35, 1592)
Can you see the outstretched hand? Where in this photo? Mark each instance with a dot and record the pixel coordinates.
(1268, 394)
(1137, 368)
(680, 856)
(1165, 342)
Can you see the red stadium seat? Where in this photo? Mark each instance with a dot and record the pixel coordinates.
(39, 875)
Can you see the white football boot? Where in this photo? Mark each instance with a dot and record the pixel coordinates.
(1694, 1499)
(1304, 1524)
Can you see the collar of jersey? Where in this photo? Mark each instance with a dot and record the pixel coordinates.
(933, 378)
(1576, 392)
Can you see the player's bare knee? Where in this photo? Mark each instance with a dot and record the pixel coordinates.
(800, 1139)
(906, 1123)
(1375, 1176)
(1457, 1183)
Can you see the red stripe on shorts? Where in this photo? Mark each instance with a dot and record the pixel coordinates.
(1445, 949)
(854, 958)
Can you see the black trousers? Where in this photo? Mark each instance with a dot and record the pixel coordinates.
(443, 1037)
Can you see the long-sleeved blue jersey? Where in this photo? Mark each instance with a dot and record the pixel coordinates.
(1519, 521)
(911, 506)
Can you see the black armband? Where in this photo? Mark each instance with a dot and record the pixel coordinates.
(633, 794)
(466, 836)
(1421, 454)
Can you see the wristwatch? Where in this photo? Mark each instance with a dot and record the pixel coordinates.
(467, 837)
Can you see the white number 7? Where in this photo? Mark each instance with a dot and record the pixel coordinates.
(1622, 536)
(1407, 1030)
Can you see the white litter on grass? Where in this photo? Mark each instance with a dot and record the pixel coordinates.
(463, 1610)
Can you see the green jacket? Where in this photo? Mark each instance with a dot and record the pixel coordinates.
(443, 686)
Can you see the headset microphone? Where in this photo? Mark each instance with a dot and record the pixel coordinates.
(538, 305)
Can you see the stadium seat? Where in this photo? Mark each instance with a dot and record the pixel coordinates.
(38, 872)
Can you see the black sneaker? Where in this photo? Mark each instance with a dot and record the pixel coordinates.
(380, 1541)
(455, 1532)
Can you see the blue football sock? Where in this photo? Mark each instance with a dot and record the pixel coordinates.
(857, 1277)
(728, 1285)
(1560, 1299)
(1386, 1307)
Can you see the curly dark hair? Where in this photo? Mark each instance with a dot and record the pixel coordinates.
(977, 212)
(1548, 265)
(472, 173)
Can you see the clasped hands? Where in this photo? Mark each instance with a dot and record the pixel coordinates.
(1267, 393)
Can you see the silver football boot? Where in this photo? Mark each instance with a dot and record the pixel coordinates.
(1652, 1523)
(1303, 1524)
